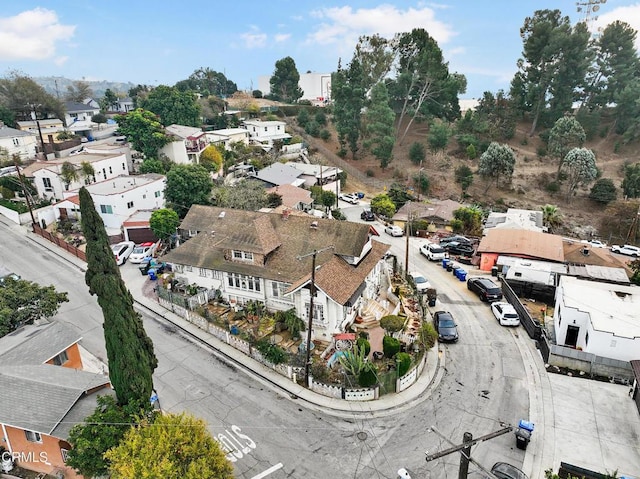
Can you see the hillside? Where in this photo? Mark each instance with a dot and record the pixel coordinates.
(581, 216)
(57, 86)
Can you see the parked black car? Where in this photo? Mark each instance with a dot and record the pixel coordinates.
(367, 215)
(485, 288)
(456, 238)
(445, 326)
(459, 249)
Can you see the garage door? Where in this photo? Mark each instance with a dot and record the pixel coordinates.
(140, 235)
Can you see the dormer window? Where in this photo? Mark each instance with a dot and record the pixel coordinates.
(242, 255)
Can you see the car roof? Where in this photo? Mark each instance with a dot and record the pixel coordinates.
(507, 471)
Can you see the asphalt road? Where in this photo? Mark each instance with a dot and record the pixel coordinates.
(272, 435)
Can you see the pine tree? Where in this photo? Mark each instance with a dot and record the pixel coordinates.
(129, 349)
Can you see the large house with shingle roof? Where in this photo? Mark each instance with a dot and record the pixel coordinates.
(267, 257)
(43, 393)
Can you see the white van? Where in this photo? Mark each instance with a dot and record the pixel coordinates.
(433, 251)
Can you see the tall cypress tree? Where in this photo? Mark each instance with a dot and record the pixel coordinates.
(129, 349)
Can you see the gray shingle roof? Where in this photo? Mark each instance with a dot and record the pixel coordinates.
(8, 132)
(37, 398)
(36, 344)
(279, 174)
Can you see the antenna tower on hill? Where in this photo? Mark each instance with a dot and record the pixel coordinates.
(588, 9)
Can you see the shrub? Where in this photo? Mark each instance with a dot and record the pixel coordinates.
(256, 94)
(471, 152)
(367, 376)
(428, 335)
(392, 323)
(541, 151)
(325, 134)
(271, 352)
(404, 363)
(417, 153)
(370, 173)
(390, 346)
(363, 343)
(552, 187)
(7, 193)
(603, 191)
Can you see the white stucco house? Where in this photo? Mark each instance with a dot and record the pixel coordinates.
(79, 113)
(228, 136)
(50, 184)
(264, 133)
(316, 87)
(598, 318)
(50, 126)
(250, 255)
(117, 199)
(187, 145)
(18, 142)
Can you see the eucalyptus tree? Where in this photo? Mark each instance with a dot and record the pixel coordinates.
(173, 106)
(497, 162)
(284, 81)
(567, 133)
(380, 121)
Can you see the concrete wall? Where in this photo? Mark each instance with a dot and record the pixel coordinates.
(590, 364)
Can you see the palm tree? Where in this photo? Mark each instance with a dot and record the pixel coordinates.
(551, 216)
(87, 170)
(68, 173)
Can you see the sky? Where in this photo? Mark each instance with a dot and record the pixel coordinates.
(160, 43)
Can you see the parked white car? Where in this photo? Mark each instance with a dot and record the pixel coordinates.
(143, 251)
(393, 230)
(422, 285)
(627, 249)
(350, 198)
(595, 243)
(433, 251)
(122, 251)
(505, 314)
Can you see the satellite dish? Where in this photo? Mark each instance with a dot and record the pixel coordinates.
(596, 8)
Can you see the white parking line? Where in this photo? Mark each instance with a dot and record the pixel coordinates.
(268, 471)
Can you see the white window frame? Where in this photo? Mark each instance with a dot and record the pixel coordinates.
(244, 282)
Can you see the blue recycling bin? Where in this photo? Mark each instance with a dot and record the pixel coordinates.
(152, 275)
(461, 274)
(523, 434)
(445, 262)
(454, 269)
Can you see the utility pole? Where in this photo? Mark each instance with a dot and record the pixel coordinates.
(34, 116)
(312, 290)
(465, 449)
(407, 233)
(25, 192)
(633, 229)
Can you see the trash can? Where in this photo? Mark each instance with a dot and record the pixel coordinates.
(144, 267)
(461, 274)
(234, 330)
(522, 438)
(454, 269)
(523, 434)
(445, 262)
(432, 302)
(152, 274)
(494, 271)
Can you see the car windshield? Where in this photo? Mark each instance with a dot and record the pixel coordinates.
(510, 316)
(447, 323)
(420, 279)
(139, 249)
(437, 249)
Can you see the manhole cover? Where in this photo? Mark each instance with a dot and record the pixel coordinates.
(362, 436)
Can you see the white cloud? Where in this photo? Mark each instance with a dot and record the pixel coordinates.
(59, 61)
(629, 14)
(282, 37)
(344, 25)
(254, 38)
(32, 35)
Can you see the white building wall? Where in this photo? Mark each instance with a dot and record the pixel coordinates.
(176, 151)
(313, 85)
(125, 204)
(600, 343)
(25, 146)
